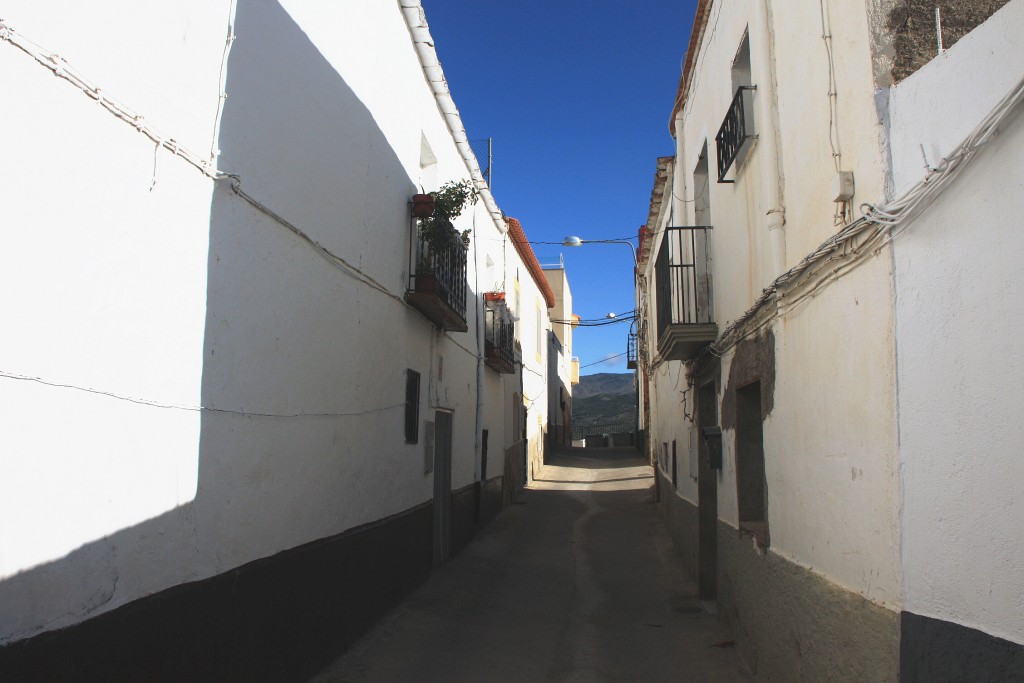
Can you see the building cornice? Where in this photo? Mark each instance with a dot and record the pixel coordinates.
(423, 43)
(522, 245)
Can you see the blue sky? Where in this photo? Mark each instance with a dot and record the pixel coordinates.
(577, 97)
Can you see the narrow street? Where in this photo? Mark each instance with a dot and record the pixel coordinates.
(576, 581)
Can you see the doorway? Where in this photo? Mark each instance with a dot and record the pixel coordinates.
(707, 496)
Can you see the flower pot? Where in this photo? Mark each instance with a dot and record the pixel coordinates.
(494, 296)
(427, 282)
(422, 205)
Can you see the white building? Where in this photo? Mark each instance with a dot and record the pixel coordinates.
(560, 359)
(531, 298)
(232, 414)
(808, 375)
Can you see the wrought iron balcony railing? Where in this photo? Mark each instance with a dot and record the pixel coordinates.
(438, 287)
(737, 130)
(499, 338)
(684, 288)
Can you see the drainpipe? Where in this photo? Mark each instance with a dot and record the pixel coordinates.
(772, 193)
(678, 214)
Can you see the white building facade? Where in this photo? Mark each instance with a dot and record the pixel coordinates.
(560, 380)
(776, 363)
(232, 416)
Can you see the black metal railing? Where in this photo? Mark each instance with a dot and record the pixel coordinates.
(736, 130)
(683, 277)
(631, 351)
(441, 269)
(499, 334)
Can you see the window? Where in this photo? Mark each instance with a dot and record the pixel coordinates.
(412, 406)
(540, 334)
(751, 489)
(428, 165)
(741, 73)
(701, 191)
(737, 133)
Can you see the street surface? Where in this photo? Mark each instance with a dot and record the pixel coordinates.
(578, 581)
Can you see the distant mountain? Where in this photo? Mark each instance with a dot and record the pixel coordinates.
(604, 383)
(604, 409)
(604, 399)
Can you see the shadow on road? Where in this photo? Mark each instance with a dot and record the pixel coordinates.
(595, 458)
(581, 582)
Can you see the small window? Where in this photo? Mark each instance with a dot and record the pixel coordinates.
(735, 137)
(540, 334)
(741, 71)
(412, 406)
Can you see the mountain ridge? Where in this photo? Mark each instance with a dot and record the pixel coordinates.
(612, 383)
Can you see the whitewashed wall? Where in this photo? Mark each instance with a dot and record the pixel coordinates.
(830, 442)
(150, 282)
(534, 325)
(959, 319)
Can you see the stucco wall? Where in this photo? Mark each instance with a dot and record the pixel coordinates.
(830, 427)
(959, 324)
(134, 280)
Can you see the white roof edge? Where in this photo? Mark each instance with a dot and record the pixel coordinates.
(423, 42)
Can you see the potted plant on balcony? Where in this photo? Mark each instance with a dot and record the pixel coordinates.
(438, 229)
(422, 205)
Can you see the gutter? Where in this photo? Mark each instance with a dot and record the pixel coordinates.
(700, 22)
(522, 246)
(423, 43)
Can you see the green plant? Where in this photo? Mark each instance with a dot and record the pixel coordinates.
(449, 203)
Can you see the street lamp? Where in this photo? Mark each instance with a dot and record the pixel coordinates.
(574, 241)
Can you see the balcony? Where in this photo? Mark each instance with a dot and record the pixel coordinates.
(631, 351)
(683, 282)
(438, 286)
(499, 337)
(737, 132)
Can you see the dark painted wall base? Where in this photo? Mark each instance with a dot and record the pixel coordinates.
(281, 618)
(682, 521)
(789, 623)
(936, 651)
(472, 507)
(792, 625)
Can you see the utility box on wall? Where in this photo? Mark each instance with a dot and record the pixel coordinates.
(713, 444)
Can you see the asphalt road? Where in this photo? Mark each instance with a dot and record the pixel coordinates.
(576, 581)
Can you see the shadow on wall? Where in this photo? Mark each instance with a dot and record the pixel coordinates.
(283, 331)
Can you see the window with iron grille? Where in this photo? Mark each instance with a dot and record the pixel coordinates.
(412, 406)
(737, 132)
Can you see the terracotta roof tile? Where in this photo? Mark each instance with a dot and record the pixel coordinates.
(515, 230)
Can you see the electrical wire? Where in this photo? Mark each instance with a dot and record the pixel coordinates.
(603, 239)
(854, 243)
(616, 321)
(833, 102)
(604, 360)
(221, 83)
(60, 68)
(188, 408)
